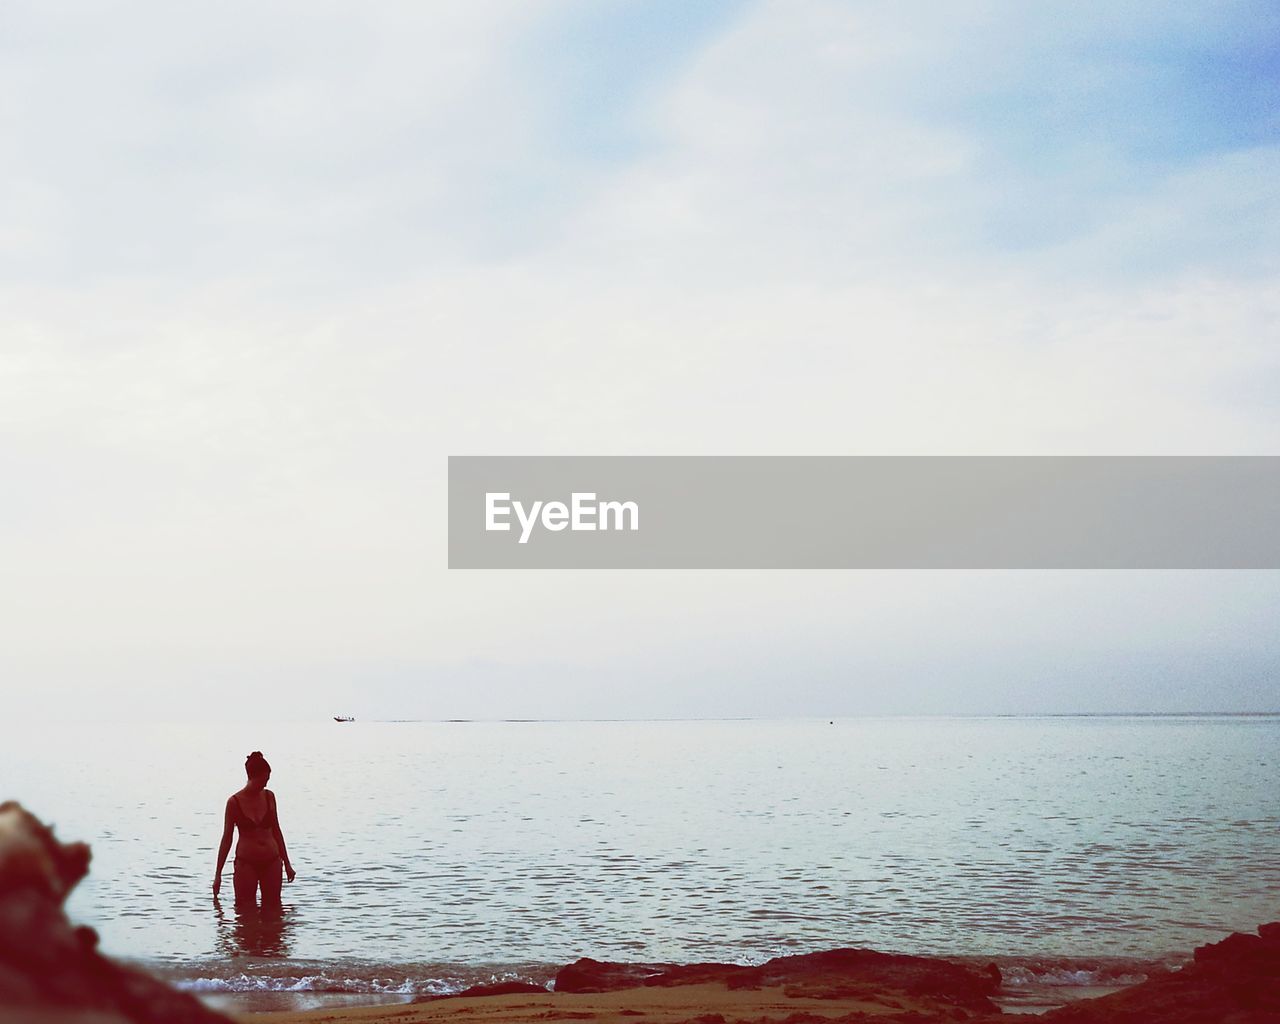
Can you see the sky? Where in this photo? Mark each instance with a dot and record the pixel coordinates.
(262, 269)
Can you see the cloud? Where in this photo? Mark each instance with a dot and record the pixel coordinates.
(850, 142)
(266, 270)
(246, 142)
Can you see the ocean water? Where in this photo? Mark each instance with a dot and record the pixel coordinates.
(434, 855)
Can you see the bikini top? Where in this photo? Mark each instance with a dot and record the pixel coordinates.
(245, 821)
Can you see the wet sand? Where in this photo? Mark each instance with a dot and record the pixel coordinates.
(688, 1003)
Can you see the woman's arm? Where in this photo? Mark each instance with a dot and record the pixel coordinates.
(275, 824)
(228, 824)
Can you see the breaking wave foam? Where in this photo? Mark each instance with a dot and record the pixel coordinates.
(1021, 976)
(346, 979)
(318, 983)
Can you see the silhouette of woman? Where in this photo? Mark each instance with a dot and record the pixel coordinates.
(261, 856)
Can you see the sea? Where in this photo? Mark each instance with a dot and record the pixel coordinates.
(1079, 853)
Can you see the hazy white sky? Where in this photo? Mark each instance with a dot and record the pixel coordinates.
(263, 268)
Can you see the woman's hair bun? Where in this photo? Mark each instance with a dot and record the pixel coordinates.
(255, 763)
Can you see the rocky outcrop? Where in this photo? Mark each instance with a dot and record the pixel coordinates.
(1236, 980)
(50, 970)
(836, 974)
(587, 975)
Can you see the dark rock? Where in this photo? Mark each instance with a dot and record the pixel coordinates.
(587, 975)
(1236, 980)
(834, 974)
(47, 966)
(1235, 948)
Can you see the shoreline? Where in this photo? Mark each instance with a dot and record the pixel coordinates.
(287, 986)
(1232, 979)
(814, 985)
(284, 991)
(693, 1004)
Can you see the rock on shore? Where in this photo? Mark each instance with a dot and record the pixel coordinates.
(835, 974)
(51, 971)
(1236, 980)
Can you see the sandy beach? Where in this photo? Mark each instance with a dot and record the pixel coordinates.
(692, 1004)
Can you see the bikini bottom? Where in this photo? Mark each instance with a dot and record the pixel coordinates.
(250, 875)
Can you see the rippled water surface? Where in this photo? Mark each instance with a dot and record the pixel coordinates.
(529, 843)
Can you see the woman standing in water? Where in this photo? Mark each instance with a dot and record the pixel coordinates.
(261, 856)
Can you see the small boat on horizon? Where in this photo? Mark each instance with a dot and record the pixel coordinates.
(341, 718)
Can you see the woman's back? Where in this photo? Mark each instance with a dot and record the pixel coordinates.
(256, 825)
(261, 858)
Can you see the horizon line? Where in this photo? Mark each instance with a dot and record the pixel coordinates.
(830, 718)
